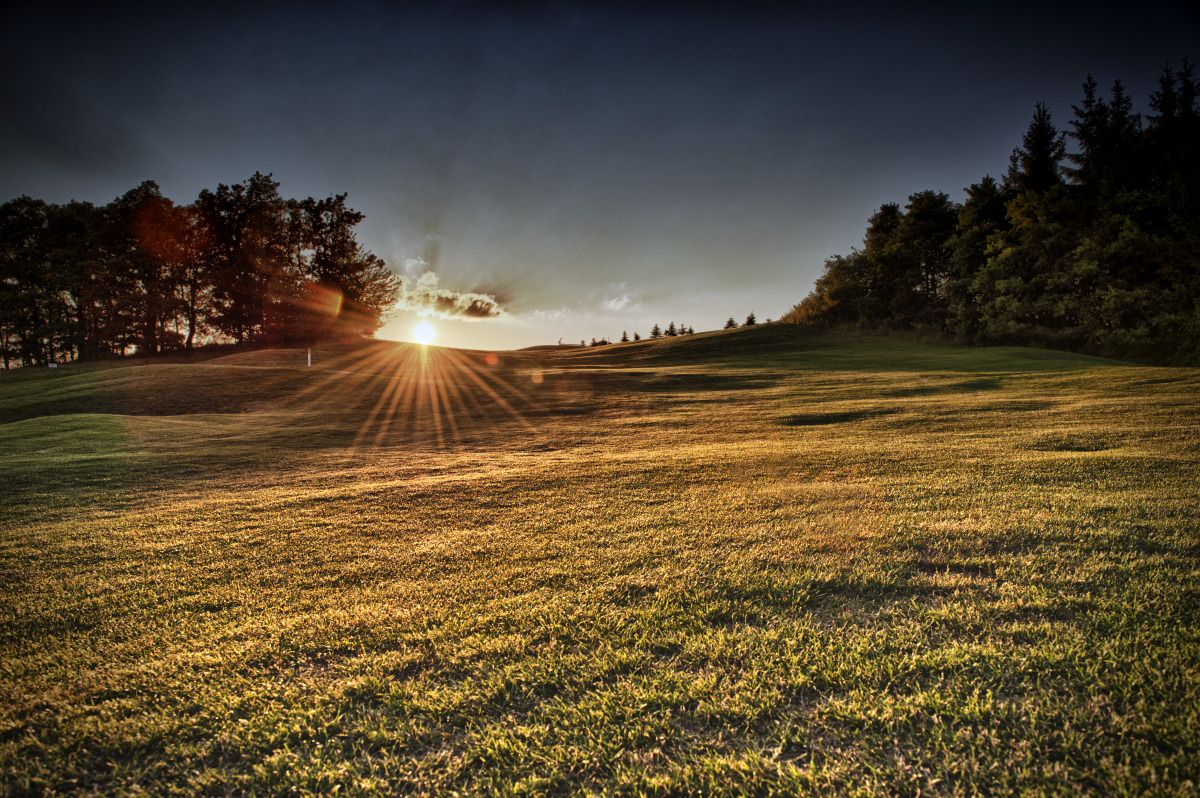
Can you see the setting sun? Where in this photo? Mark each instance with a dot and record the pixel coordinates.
(423, 332)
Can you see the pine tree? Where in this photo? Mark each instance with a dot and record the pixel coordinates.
(980, 217)
(624, 337)
(1034, 166)
(671, 330)
(1107, 134)
(655, 332)
(731, 324)
(750, 320)
(636, 337)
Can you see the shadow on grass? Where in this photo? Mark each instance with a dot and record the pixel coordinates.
(964, 386)
(834, 417)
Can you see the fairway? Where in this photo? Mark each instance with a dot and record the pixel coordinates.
(762, 561)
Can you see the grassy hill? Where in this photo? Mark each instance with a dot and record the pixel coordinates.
(753, 561)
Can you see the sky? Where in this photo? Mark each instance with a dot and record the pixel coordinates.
(580, 169)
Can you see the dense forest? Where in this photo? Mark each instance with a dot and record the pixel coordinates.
(1095, 249)
(143, 275)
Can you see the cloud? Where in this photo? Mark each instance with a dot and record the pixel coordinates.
(619, 302)
(545, 314)
(423, 295)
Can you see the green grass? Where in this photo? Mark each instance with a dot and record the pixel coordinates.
(759, 562)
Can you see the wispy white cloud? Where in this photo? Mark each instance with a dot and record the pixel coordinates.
(551, 314)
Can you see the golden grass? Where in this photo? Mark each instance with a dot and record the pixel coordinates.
(741, 563)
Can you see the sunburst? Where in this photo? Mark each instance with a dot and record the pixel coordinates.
(423, 332)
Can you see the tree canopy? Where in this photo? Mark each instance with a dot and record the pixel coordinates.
(1090, 242)
(241, 264)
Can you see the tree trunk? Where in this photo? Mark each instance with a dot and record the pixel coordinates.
(191, 315)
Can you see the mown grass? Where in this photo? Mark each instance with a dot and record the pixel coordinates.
(750, 563)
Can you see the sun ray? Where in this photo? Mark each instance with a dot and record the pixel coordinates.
(488, 374)
(393, 392)
(409, 392)
(402, 386)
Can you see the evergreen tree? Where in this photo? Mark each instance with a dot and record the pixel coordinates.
(636, 337)
(982, 216)
(731, 324)
(1034, 165)
(1027, 292)
(671, 331)
(624, 337)
(750, 320)
(655, 332)
(1106, 264)
(922, 262)
(883, 270)
(1107, 136)
(838, 294)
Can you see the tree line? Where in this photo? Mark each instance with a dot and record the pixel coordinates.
(240, 265)
(1094, 249)
(670, 331)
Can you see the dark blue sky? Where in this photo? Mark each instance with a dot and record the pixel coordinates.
(595, 168)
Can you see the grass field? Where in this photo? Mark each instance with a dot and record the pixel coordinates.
(756, 562)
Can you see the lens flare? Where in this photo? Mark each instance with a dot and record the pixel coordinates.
(423, 332)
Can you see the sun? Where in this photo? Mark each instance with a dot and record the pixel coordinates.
(423, 332)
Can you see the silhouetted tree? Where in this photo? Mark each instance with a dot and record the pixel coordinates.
(1034, 166)
(80, 281)
(655, 332)
(922, 261)
(24, 277)
(636, 337)
(247, 253)
(144, 244)
(750, 320)
(671, 331)
(342, 288)
(1107, 134)
(731, 324)
(982, 216)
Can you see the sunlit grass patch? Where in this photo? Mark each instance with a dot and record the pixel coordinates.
(964, 576)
